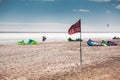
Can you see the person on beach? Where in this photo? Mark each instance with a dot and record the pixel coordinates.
(43, 38)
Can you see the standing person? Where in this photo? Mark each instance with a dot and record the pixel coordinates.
(43, 38)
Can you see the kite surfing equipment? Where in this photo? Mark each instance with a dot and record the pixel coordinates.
(30, 42)
(78, 39)
(21, 42)
(93, 43)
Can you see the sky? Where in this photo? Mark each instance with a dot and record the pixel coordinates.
(59, 15)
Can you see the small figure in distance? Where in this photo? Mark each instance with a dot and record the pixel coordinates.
(43, 38)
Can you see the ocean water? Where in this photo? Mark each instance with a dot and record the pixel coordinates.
(52, 37)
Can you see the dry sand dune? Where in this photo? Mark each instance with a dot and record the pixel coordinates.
(59, 61)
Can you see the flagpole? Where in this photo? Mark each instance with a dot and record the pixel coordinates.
(80, 45)
(81, 51)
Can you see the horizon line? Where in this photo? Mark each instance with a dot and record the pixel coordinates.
(55, 32)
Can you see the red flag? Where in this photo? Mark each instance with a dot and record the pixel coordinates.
(75, 28)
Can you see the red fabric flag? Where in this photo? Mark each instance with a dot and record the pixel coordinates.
(75, 28)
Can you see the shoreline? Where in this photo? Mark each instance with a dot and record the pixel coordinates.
(53, 37)
(51, 41)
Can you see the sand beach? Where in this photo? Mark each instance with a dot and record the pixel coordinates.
(59, 61)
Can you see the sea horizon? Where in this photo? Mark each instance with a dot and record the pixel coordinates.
(56, 32)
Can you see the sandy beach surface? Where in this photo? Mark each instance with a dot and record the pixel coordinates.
(59, 61)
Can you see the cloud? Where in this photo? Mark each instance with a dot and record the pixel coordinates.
(81, 10)
(101, 0)
(108, 12)
(118, 6)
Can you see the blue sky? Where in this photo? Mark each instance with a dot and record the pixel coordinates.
(59, 15)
